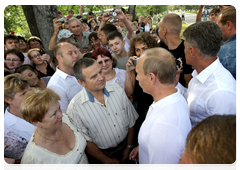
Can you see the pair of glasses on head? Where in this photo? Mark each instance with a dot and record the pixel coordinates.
(12, 60)
(35, 56)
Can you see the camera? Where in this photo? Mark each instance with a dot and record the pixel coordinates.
(114, 14)
(135, 61)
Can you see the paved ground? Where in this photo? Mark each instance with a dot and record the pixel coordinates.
(189, 18)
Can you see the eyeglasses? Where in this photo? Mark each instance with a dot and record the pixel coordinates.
(38, 55)
(13, 60)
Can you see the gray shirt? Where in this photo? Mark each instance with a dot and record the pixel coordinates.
(84, 41)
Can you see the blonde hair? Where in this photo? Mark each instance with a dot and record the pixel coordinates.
(36, 103)
(34, 49)
(13, 83)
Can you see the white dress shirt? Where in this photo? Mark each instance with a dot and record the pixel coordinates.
(211, 92)
(65, 85)
(35, 154)
(106, 126)
(163, 134)
(17, 133)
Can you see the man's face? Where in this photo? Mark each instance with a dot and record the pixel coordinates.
(23, 44)
(121, 24)
(103, 38)
(116, 24)
(69, 55)
(12, 44)
(94, 78)
(95, 43)
(141, 77)
(213, 17)
(116, 45)
(90, 17)
(223, 28)
(75, 27)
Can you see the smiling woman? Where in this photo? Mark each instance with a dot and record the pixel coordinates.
(55, 140)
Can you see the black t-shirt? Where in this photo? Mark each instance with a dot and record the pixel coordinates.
(180, 59)
(50, 71)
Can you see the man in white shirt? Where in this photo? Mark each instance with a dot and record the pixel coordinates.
(63, 81)
(163, 133)
(103, 114)
(212, 90)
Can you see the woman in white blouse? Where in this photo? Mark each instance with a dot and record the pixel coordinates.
(106, 61)
(55, 140)
(17, 131)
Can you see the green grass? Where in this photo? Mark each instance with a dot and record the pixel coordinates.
(184, 26)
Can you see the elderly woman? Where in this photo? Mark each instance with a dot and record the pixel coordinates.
(33, 77)
(55, 140)
(17, 131)
(42, 66)
(13, 59)
(104, 58)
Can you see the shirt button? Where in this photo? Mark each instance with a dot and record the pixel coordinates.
(114, 125)
(119, 136)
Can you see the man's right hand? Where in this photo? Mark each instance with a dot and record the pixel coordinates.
(106, 17)
(56, 24)
(134, 154)
(113, 163)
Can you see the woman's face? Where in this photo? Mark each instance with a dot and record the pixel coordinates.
(140, 48)
(35, 44)
(16, 101)
(33, 79)
(23, 44)
(106, 64)
(13, 61)
(36, 57)
(53, 118)
(93, 23)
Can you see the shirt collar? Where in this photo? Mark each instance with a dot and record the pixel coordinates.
(232, 38)
(61, 73)
(89, 97)
(204, 75)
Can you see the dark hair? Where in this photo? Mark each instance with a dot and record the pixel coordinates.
(96, 27)
(108, 28)
(112, 35)
(79, 16)
(90, 21)
(215, 10)
(90, 13)
(81, 64)
(16, 52)
(21, 38)
(10, 37)
(24, 67)
(206, 36)
(92, 35)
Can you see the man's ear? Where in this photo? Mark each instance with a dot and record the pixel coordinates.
(229, 25)
(81, 83)
(152, 78)
(165, 31)
(123, 42)
(59, 58)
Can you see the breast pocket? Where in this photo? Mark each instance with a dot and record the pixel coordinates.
(122, 118)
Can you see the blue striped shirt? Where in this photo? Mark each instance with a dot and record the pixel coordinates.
(106, 126)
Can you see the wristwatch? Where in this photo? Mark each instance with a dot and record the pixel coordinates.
(130, 146)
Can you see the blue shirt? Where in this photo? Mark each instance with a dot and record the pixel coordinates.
(227, 55)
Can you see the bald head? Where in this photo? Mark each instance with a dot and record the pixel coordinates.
(172, 22)
(161, 63)
(58, 48)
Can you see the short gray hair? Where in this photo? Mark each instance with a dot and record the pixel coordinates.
(81, 64)
(206, 36)
(71, 20)
(161, 63)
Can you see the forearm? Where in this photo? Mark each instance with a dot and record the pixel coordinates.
(52, 42)
(199, 14)
(129, 83)
(95, 152)
(130, 136)
(128, 27)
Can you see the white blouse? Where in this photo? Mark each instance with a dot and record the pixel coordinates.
(120, 77)
(35, 154)
(17, 133)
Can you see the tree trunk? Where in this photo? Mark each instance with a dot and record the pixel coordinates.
(40, 21)
(131, 10)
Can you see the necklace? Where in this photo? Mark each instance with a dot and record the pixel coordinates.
(51, 139)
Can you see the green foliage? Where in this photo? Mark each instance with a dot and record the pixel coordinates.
(14, 20)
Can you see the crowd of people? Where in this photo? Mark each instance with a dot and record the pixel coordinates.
(118, 90)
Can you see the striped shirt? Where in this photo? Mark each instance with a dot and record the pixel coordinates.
(106, 126)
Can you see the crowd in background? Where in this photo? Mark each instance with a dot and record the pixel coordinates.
(118, 90)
